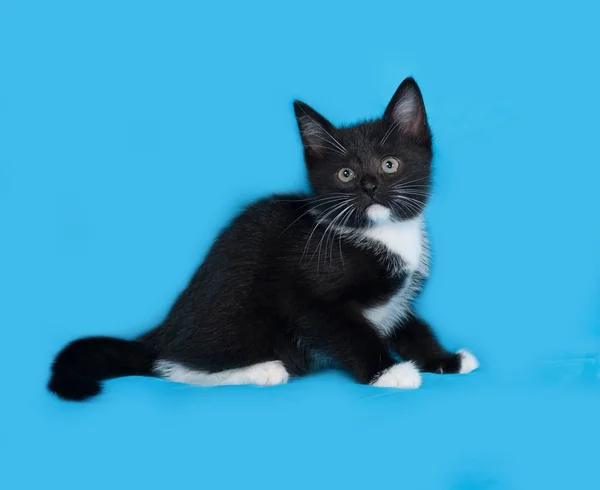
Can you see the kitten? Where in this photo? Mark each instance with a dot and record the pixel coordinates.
(299, 282)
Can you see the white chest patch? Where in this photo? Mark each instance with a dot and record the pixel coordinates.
(407, 240)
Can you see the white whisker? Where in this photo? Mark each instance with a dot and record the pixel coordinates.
(388, 133)
(318, 222)
(332, 239)
(329, 201)
(325, 234)
(340, 236)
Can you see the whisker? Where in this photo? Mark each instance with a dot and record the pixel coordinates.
(332, 238)
(325, 234)
(317, 223)
(412, 193)
(412, 204)
(312, 198)
(340, 236)
(410, 185)
(389, 132)
(414, 181)
(303, 214)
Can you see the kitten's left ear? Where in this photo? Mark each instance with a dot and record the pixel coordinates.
(406, 111)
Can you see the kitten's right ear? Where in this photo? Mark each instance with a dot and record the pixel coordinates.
(406, 111)
(316, 131)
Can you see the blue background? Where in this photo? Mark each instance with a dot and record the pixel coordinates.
(130, 132)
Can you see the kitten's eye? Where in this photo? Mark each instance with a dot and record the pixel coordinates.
(345, 174)
(390, 165)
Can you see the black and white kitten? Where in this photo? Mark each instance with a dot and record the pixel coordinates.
(298, 282)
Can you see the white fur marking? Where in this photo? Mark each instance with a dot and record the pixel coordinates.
(407, 240)
(386, 316)
(403, 375)
(378, 213)
(468, 362)
(263, 374)
(404, 238)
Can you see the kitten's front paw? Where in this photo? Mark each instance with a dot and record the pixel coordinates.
(403, 375)
(468, 362)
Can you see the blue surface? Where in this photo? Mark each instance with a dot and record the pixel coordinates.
(130, 132)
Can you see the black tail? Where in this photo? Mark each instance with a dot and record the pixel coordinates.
(80, 367)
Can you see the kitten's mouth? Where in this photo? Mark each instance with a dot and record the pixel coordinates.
(378, 213)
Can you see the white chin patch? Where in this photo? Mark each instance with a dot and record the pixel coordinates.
(378, 213)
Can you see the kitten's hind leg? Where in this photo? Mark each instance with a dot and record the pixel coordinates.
(267, 373)
(415, 341)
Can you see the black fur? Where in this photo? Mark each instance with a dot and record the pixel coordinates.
(282, 283)
(81, 365)
(415, 341)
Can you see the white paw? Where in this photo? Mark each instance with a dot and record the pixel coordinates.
(268, 373)
(403, 375)
(468, 362)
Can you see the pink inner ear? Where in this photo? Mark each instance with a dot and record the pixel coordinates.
(407, 113)
(313, 134)
(317, 139)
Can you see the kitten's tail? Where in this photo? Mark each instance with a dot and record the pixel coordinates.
(80, 367)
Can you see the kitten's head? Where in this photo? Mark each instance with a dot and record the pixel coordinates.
(371, 172)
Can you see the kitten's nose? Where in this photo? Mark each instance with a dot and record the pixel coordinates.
(369, 188)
